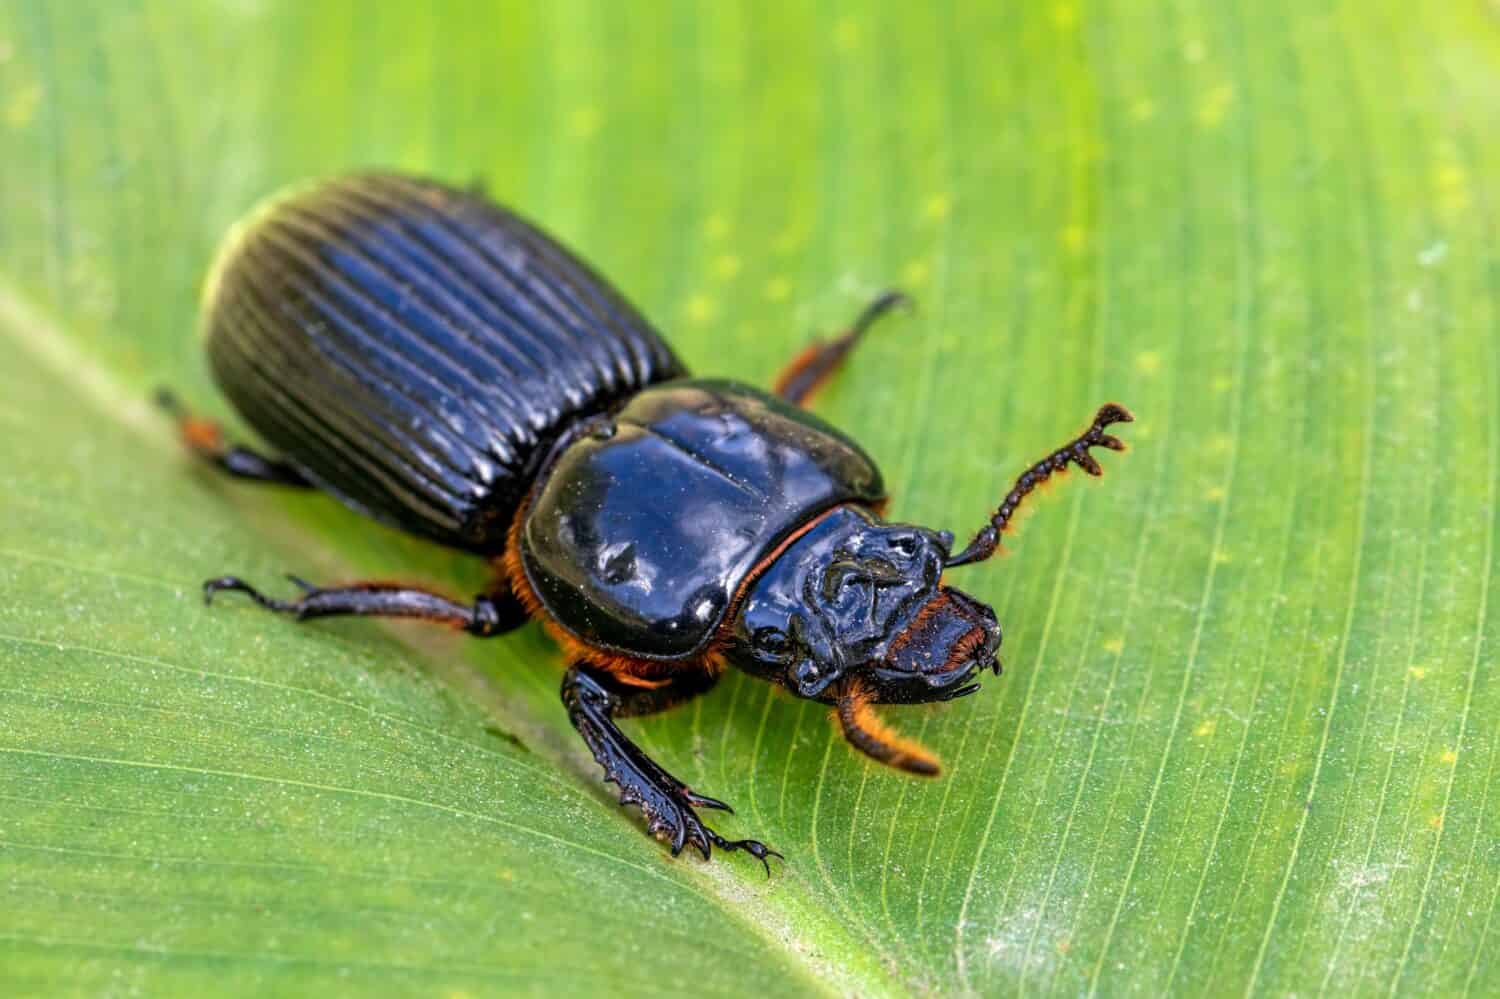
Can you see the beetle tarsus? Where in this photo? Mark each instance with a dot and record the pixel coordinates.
(488, 616)
(665, 802)
(235, 584)
(755, 848)
(818, 361)
(1076, 452)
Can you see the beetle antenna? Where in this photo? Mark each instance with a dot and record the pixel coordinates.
(987, 541)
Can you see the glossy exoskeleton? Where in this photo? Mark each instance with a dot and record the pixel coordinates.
(434, 361)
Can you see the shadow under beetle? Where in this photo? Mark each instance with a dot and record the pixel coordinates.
(437, 363)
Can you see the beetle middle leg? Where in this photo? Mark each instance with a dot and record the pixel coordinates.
(817, 362)
(205, 439)
(593, 701)
(489, 615)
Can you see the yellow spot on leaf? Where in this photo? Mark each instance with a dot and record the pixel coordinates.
(700, 309)
(937, 207)
(1114, 646)
(1222, 558)
(1222, 383)
(584, 123)
(727, 267)
(1148, 362)
(1074, 238)
(1449, 756)
(778, 289)
(847, 34)
(1143, 109)
(716, 226)
(1194, 51)
(1214, 105)
(1065, 16)
(789, 240)
(1452, 183)
(21, 108)
(915, 273)
(1214, 494)
(1417, 672)
(1436, 821)
(6, 51)
(1206, 728)
(1220, 443)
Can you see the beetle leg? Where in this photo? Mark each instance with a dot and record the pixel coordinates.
(667, 803)
(489, 615)
(1076, 451)
(817, 362)
(204, 438)
(874, 738)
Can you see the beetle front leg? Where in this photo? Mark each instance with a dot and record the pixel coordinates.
(666, 802)
(489, 615)
(817, 362)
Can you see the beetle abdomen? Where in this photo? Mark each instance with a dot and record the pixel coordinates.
(414, 349)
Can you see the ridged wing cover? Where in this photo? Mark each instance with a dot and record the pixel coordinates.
(642, 533)
(415, 349)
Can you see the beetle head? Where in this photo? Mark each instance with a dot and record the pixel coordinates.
(854, 598)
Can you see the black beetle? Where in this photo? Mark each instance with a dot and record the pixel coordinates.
(432, 360)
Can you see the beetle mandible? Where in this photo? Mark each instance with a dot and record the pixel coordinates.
(434, 361)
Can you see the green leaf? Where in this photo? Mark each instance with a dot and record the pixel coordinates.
(1248, 738)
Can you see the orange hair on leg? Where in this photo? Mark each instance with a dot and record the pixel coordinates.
(871, 736)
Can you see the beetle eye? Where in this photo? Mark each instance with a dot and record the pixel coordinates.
(772, 643)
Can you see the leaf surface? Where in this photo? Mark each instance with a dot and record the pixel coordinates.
(1248, 732)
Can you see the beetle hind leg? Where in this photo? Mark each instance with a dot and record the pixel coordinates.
(489, 615)
(666, 802)
(205, 439)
